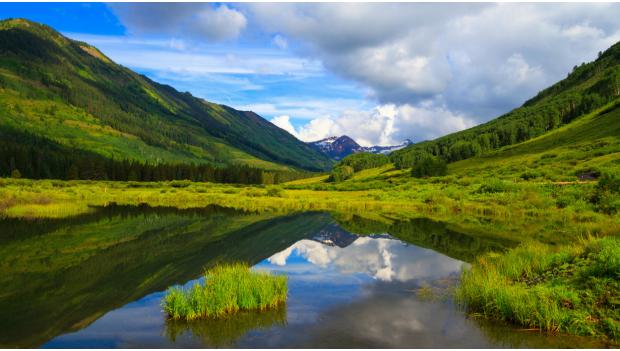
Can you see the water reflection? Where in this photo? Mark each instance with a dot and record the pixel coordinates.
(382, 258)
(223, 332)
(389, 317)
(98, 281)
(330, 288)
(65, 278)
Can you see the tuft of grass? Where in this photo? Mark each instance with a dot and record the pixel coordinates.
(574, 289)
(227, 289)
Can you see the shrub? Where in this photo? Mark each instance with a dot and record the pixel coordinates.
(252, 192)
(429, 166)
(180, 183)
(494, 186)
(607, 194)
(549, 155)
(530, 174)
(274, 191)
(605, 255)
(609, 183)
(341, 173)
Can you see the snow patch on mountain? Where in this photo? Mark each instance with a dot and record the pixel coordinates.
(342, 146)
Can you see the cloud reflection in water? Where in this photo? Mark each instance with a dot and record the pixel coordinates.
(382, 258)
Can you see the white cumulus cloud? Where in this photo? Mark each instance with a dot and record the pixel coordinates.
(197, 21)
(384, 125)
(479, 60)
(424, 69)
(285, 123)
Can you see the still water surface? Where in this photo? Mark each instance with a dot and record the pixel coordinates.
(98, 281)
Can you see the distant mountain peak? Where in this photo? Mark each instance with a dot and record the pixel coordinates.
(388, 149)
(338, 147)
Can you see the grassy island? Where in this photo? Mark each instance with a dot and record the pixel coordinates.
(227, 289)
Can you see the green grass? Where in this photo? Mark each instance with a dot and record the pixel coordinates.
(590, 143)
(69, 92)
(573, 289)
(519, 210)
(227, 289)
(57, 210)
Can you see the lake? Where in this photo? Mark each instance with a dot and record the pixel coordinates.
(96, 281)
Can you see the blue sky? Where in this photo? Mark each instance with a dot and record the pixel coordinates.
(379, 73)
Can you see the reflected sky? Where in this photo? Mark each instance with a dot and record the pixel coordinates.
(360, 293)
(385, 259)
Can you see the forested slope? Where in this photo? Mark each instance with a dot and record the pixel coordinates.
(588, 87)
(70, 94)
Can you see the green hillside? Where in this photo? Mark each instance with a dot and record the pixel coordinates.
(72, 96)
(587, 88)
(581, 150)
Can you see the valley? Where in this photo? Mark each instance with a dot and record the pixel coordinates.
(106, 173)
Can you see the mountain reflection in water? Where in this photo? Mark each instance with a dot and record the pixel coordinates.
(104, 274)
(382, 258)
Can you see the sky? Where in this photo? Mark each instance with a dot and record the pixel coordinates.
(377, 72)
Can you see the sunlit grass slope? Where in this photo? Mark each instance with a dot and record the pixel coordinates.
(586, 147)
(70, 92)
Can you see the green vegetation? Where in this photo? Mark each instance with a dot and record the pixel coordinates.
(25, 155)
(68, 94)
(227, 289)
(345, 169)
(364, 160)
(589, 87)
(127, 253)
(429, 166)
(607, 194)
(38, 158)
(574, 289)
(340, 173)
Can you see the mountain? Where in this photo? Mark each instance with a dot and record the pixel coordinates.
(339, 147)
(388, 149)
(588, 87)
(72, 99)
(336, 147)
(334, 235)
